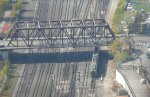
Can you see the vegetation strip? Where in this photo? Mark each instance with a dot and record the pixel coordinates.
(118, 16)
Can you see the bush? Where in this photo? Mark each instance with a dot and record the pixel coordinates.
(122, 57)
(7, 69)
(1, 12)
(16, 8)
(3, 4)
(5, 86)
(18, 5)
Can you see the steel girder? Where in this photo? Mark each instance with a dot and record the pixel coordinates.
(63, 33)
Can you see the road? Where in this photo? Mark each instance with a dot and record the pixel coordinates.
(140, 90)
(141, 49)
(132, 75)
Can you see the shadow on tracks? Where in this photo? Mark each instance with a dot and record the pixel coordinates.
(66, 57)
(31, 58)
(104, 57)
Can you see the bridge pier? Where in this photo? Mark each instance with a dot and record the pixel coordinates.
(4, 54)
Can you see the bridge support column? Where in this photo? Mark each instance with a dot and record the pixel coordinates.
(4, 55)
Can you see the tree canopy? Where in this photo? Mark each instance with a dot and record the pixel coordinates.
(3, 2)
(2, 5)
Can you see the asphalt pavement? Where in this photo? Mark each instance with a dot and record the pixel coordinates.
(141, 49)
(140, 90)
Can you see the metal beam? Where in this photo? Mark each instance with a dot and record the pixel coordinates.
(60, 33)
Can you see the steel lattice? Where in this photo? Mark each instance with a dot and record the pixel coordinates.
(74, 33)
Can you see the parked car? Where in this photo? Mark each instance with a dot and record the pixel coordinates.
(142, 81)
(148, 46)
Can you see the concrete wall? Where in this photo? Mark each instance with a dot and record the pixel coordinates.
(120, 79)
(123, 80)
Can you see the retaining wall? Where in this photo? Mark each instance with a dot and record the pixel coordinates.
(121, 78)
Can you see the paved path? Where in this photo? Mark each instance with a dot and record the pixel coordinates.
(108, 83)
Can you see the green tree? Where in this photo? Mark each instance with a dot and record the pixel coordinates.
(115, 46)
(18, 5)
(3, 2)
(141, 70)
(16, 8)
(1, 12)
(122, 56)
(2, 5)
(136, 25)
(7, 69)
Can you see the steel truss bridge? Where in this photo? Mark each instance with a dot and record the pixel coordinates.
(63, 33)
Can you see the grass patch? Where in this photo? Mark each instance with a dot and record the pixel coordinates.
(141, 4)
(5, 77)
(119, 14)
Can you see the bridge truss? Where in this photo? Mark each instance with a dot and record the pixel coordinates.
(63, 33)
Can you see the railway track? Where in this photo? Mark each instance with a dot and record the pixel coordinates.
(59, 79)
(37, 80)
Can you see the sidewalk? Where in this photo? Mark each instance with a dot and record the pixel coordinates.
(108, 81)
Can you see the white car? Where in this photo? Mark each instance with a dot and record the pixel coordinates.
(142, 81)
(148, 46)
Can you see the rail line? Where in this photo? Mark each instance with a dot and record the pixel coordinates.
(79, 8)
(21, 82)
(86, 82)
(42, 80)
(30, 81)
